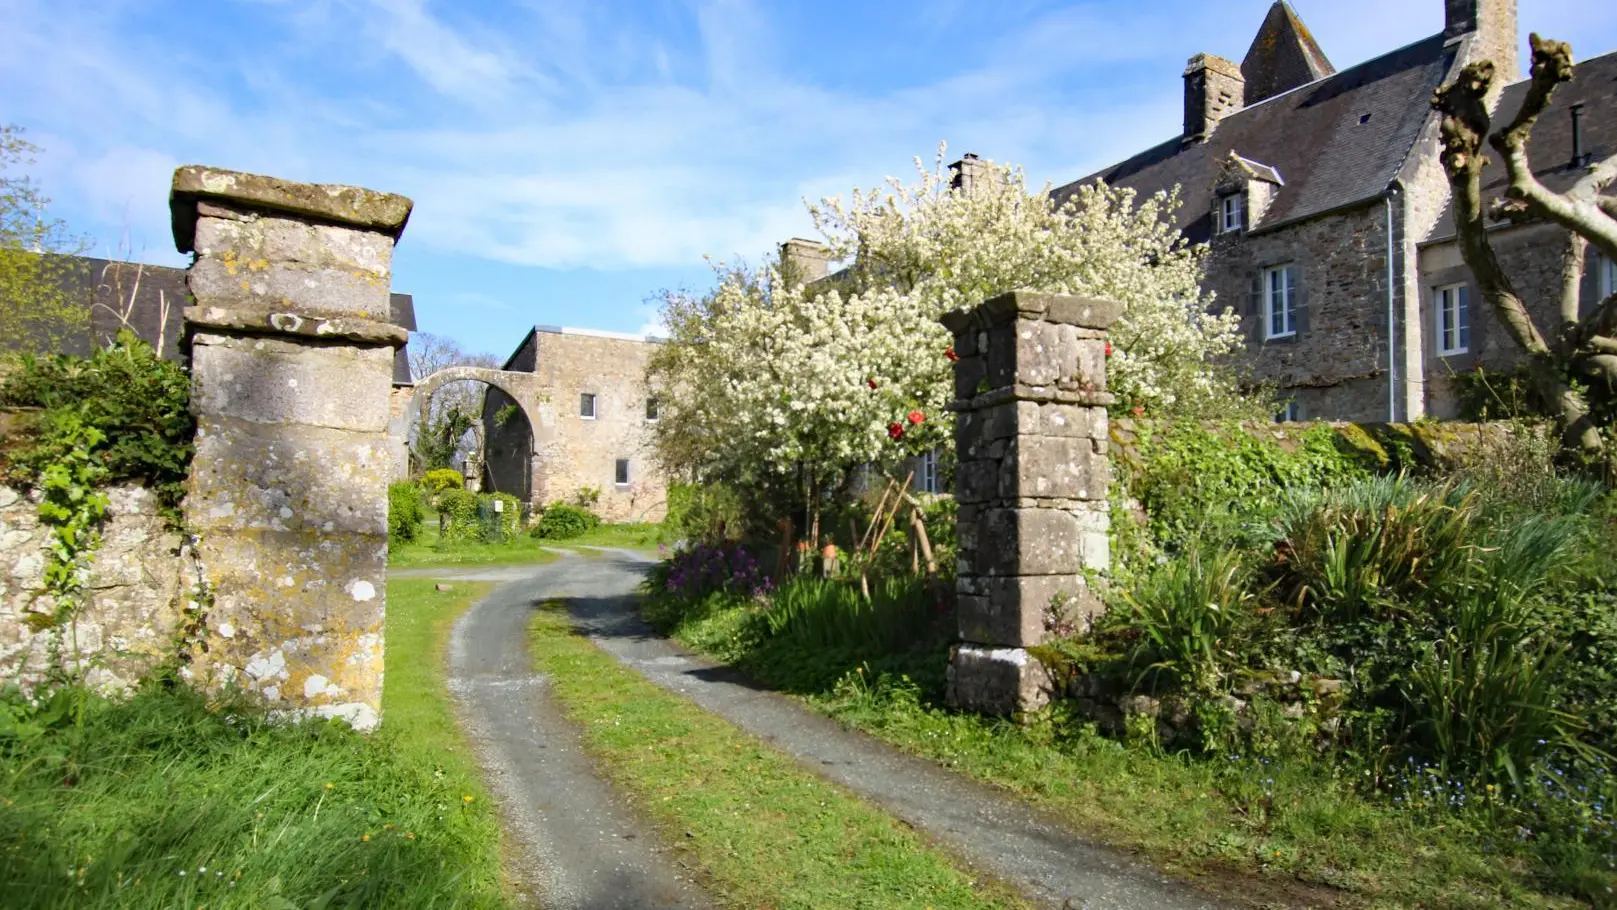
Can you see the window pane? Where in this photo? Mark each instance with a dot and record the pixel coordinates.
(651, 409)
(1291, 299)
(586, 405)
(622, 473)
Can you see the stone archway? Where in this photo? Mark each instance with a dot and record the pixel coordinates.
(517, 387)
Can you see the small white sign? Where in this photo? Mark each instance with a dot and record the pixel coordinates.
(499, 505)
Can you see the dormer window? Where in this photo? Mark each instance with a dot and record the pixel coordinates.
(1231, 212)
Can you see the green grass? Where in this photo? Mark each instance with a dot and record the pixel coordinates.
(165, 800)
(1294, 832)
(767, 832)
(520, 550)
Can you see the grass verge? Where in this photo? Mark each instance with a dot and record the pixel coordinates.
(768, 833)
(1287, 832)
(165, 800)
(519, 550)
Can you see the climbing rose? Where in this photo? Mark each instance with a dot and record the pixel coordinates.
(949, 353)
(871, 383)
(916, 417)
(1108, 349)
(895, 430)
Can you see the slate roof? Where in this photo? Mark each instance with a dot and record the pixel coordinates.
(1338, 142)
(401, 312)
(107, 287)
(1283, 56)
(1594, 85)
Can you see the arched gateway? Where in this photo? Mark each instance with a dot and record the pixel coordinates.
(516, 473)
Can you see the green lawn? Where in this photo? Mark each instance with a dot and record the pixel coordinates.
(519, 550)
(168, 801)
(767, 832)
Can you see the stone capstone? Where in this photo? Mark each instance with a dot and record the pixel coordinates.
(385, 213)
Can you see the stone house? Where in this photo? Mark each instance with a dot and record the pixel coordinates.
(570, 417)
(1325, 208)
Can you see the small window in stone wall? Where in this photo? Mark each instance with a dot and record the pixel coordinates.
(1231, 213)
(1291, 413)
(620, 474)
(1606, 280)
(926, 473)
(1452, 307)
(651, 409)
(586, 405)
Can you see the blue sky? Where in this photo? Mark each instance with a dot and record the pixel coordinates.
(570, 158)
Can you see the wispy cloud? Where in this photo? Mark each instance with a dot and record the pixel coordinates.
(565, 133)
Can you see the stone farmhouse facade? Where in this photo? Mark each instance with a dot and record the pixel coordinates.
(1325, 207)
(571, 415)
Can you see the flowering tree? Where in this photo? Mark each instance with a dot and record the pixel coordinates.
(773, 383)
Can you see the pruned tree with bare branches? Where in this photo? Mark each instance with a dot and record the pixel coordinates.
(1572, 363)
(448, 427)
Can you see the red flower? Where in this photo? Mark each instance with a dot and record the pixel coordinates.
(916, 417)
(949, 353)
(1139, 411)
(1108, 349)
(895, 430)
(871, 383)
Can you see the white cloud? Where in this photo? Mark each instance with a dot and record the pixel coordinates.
(566, 134)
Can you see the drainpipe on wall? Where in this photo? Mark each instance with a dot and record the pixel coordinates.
(1392, 323)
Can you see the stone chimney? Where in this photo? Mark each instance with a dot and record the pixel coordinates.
(804, 261)
(968, 173)
(1491, 26)
(1214, 89)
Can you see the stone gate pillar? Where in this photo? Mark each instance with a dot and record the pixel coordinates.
(291, 353)
(1031, 483)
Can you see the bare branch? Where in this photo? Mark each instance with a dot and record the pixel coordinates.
(1464, 106)
(1572, 283)
(1579, 210)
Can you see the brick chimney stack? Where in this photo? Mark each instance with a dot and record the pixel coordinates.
(1490, 26)
(1214, 89)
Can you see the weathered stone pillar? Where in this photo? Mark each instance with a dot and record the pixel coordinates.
(291, 372)
(1031, 483)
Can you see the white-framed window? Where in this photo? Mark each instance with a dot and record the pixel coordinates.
(651, 410)
(620, 472)
(1452, 308)
(1231, 213)
(1291, 413)
(1280, 301)
(1605, 278)
(926, 473)
(586, 405)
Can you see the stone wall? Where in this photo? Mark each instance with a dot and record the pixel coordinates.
(1336, 365)
(1531, 256)
(141, 589)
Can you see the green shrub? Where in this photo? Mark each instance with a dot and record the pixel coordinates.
(704, 513)
(441, 479)
(404, 512)
(1372, 547)
(561, 521)
(457, 515)
(499, 523)
(1200, 483)
(137, 401)
(819, 613)
(1186, 611)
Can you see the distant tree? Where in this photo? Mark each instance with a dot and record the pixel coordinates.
(1571, 356)
(37, 309)
(449, 426)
